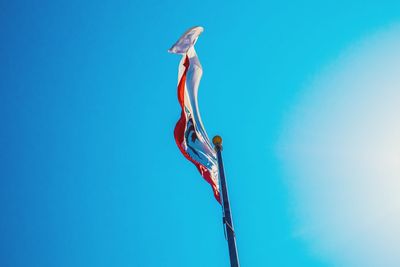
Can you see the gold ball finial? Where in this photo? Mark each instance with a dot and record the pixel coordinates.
(217, 140)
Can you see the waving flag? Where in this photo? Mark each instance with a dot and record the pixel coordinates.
(189, 132)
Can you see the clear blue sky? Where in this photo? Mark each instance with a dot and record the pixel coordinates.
(90, 174)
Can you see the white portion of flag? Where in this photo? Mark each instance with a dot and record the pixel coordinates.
(187, 40)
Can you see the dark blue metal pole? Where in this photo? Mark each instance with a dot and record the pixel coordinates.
(228, 223)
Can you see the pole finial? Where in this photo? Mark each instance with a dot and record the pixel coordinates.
(217, 141)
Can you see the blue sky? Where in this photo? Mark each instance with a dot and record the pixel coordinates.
(90, 174)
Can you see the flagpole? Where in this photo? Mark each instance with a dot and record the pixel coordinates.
(227, 216)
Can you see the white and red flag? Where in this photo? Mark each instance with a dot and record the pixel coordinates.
(190, 135)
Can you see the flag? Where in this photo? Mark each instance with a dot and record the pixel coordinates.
(189, 133)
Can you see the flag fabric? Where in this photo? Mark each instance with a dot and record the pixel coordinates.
(189, 133)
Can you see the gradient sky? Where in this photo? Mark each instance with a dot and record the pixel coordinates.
(90, 174)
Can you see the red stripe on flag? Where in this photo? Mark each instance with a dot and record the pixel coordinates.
(179, 132)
